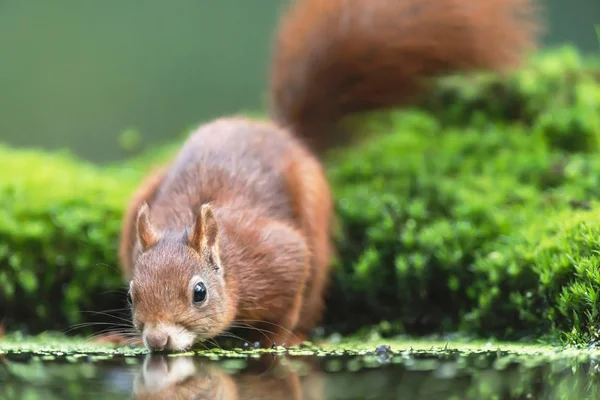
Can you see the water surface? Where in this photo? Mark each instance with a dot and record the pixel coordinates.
(377, 374)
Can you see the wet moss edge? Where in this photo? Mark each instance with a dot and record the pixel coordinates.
(55, 348)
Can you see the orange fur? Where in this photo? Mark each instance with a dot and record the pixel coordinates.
(265, 256)
(338, 57)
(270, 218)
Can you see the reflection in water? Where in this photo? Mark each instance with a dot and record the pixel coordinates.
(182, 378)
(414, 376)
(192, 378)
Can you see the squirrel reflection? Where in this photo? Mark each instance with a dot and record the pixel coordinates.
(184, 377)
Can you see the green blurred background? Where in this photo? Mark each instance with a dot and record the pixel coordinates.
(79, 73)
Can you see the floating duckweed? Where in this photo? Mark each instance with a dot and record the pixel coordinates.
(301, 352)
(182, 354)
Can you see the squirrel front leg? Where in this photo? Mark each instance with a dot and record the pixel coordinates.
(280, 269)
(278, 332)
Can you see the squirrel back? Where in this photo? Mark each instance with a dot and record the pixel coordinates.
(339, 57)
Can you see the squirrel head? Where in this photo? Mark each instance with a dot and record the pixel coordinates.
(178, 290)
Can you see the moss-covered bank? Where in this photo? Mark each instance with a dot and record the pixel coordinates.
(57, 347)
(479, 211)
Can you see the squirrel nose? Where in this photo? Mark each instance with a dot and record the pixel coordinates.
(157, 340)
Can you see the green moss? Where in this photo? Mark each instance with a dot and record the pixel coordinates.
(61, 347)
(472, 217)
(552, 282)
(478, 212)
(556, 94)
(59, 222)
(492, 232)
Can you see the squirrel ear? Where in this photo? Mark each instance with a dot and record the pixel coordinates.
(147, 235)
(206, 229)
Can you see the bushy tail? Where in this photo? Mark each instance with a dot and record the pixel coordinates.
(333, 58)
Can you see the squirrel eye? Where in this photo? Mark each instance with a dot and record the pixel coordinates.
(199, 293)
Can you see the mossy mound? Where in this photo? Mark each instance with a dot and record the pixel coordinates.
(486, 221)
(59, 227)
(463, 215)
(554, 94)
(492, 232)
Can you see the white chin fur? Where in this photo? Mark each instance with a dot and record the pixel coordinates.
(179, 337)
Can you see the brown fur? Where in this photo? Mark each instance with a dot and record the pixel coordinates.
(338, 57)
(266, 262)
(267, 234)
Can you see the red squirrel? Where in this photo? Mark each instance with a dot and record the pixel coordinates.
(235, 230)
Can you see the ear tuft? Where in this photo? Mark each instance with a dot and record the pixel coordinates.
(206, 229)
(146, 234)
(211, 228)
